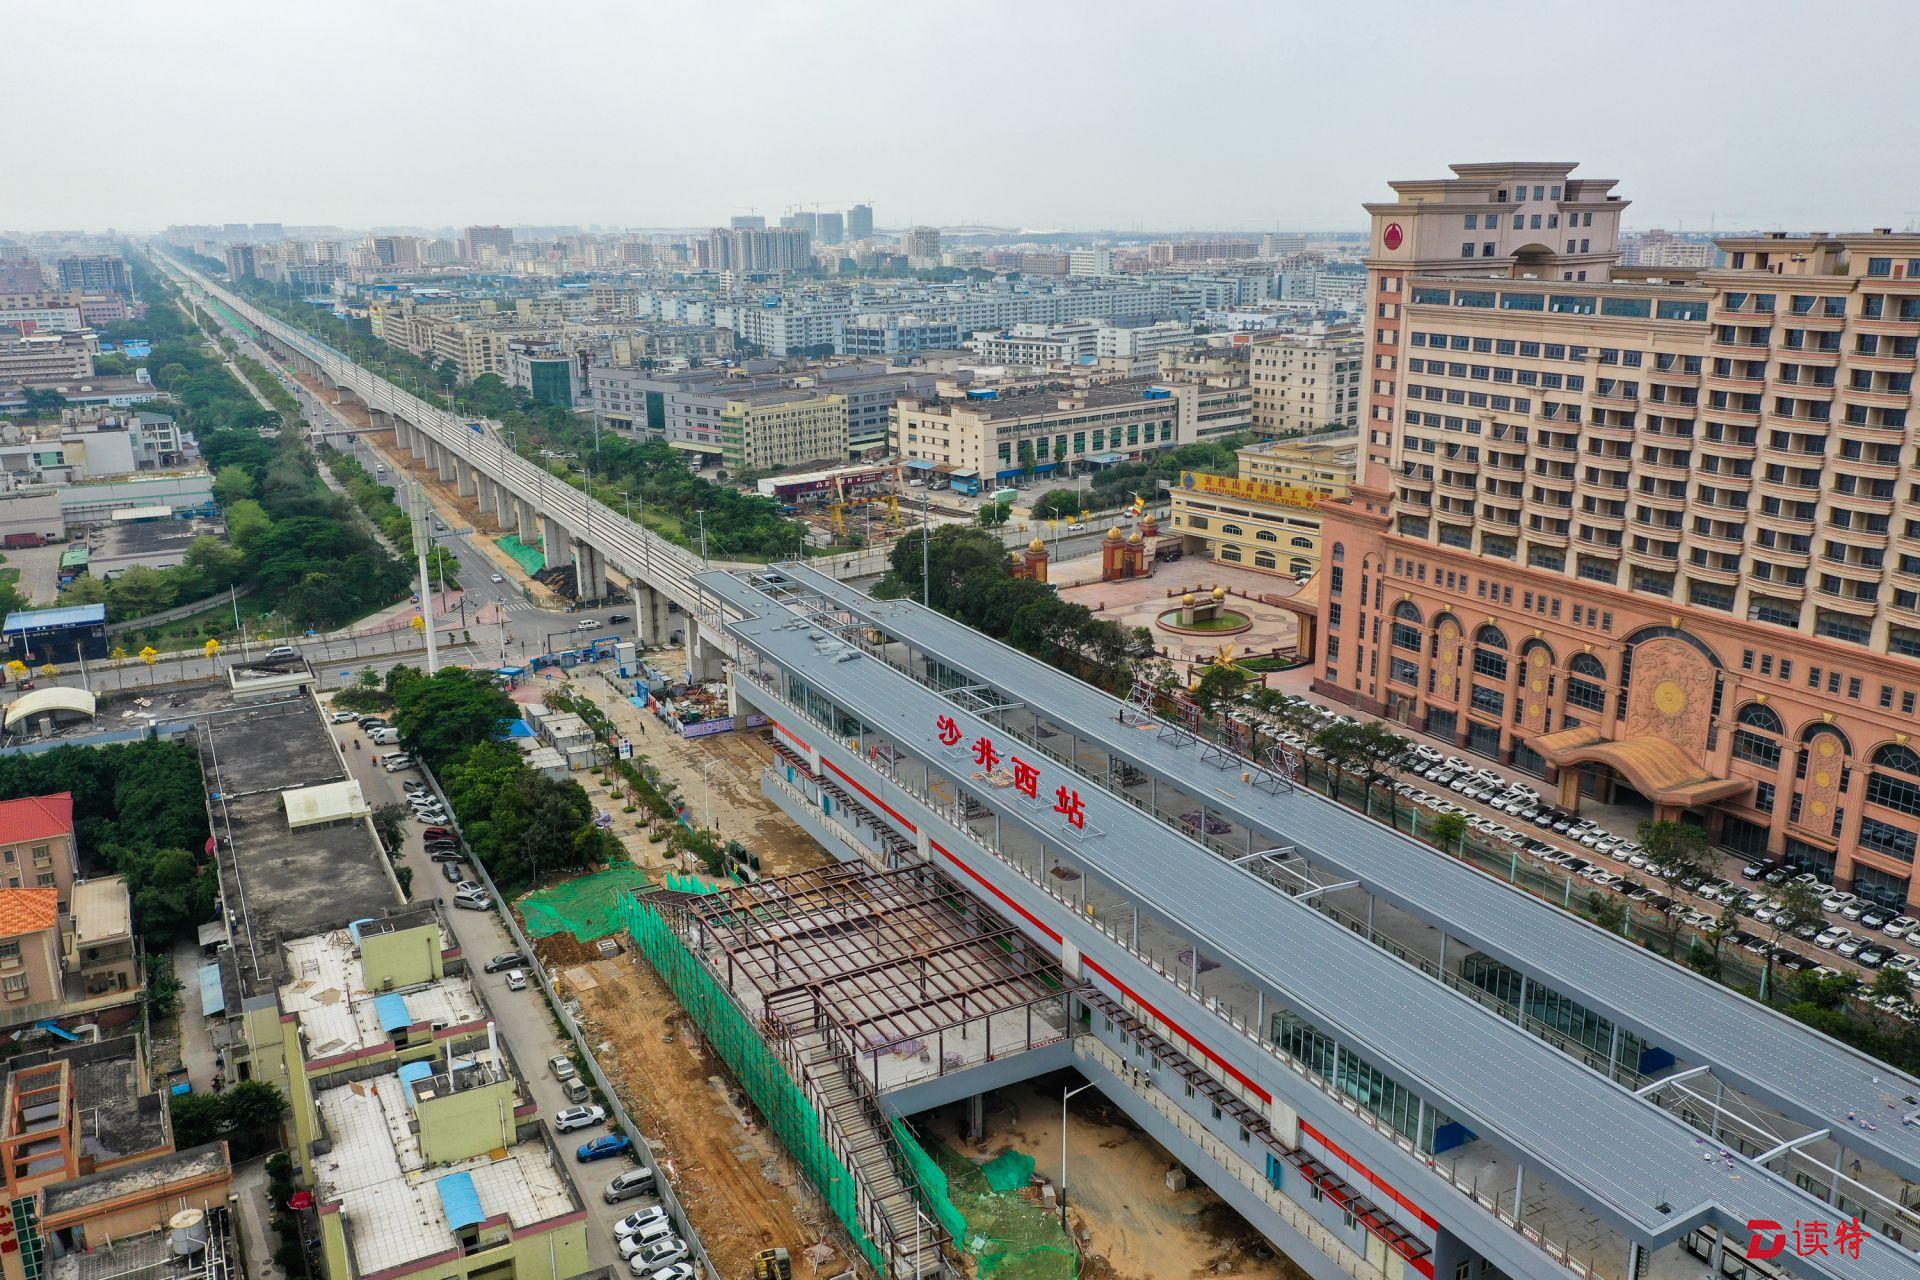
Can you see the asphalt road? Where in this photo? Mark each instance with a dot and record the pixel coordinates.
(521, 1017)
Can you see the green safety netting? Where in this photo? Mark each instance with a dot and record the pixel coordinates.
(774, 1093)
(691, 884)
(587, 908)
(1008, 1236)
(529, 555)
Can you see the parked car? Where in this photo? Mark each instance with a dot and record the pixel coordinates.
(677, 1271)
(341, 717)
(605, 1147)
(1901, 926)
(445, 853)
(646, 1234)
(456, 874)
(659, 1254)
(1831, 938)
(634, 1182)
(639, 1218)
(396, 762)
(516, 979)
(504, 961)
(481, 903)
(578, 1118)
(562, 1067)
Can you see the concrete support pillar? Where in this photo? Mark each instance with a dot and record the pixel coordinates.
(703, 659)
(463, 474)
(652, 619)
(529, 521)
(381, 419)
(590, 571)
(418, 444)
(483, 494)
(445, 464)
(976, 1125)
(504, 508)
(554, 543)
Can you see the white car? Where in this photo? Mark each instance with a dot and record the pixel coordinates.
(343, 717)
(638, 1219)
(1832, 938)
(1901, 926)
(498, 578)
(579, 1118)
(648, 1234)
(1850, 947)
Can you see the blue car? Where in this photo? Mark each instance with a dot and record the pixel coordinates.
(604, 1148)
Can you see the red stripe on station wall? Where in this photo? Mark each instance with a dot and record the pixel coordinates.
(1340, 1153)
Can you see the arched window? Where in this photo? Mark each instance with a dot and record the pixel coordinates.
(1339, 552)
(1267, 535)
(1305, 544)
(1895, 780)
(1232, 530)
(1758, 736)
(1586, 682)
(1230, 553)
(1300, 566)
(1490, 653)
(1263, 560)
(1406, 627)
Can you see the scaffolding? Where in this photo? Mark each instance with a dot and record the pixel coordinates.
(825, 988)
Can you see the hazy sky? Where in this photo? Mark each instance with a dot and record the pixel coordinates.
(1030, 113)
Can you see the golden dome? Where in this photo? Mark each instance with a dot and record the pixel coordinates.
(1219, 594)
(1187, 600)
(1036, 545)
(1134, 537)
(1113, 534)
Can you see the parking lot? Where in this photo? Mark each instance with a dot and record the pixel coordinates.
(526, 1024)
(1570, 856)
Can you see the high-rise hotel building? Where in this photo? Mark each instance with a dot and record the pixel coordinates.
(1642, 530)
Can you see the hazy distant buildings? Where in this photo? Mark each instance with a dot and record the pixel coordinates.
(923, 248)
(1090, 262)
(860, 222)
(829, 228)
(476, 242)
(241, 262)
(748, 222)
(394, 253)
(95, 273)
(755, 249)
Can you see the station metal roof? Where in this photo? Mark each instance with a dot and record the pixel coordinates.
(1621, 1153)
(1805, 1073)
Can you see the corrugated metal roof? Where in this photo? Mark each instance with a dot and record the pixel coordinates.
(1597, 1139)
(392, 1012)
(72, 615)
(1785, 1061)
(460, 1200)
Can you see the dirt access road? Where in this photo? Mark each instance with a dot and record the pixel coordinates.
(1128, 1225)
(735, 1180)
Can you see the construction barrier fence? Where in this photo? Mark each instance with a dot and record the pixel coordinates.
(761, 1074)
(587, 907)
(984, 1209)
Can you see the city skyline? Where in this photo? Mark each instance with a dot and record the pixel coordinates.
(233, 123)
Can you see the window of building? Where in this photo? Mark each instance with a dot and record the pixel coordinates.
(1751, 741)
(1885, 838)
(1894, 782)
(1586, 682)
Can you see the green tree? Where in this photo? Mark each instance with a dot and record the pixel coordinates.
(993, 514)
(213, 565)
(1675, 852)
(198, 1118)
(254, 1107)
(1219, 687)
(1448, 831)
(1342, 748)
(1607, 912)
(1891, 985)
(248, 524)
(442, 715)
(1799, 906)
(140, 590)
(230, 484)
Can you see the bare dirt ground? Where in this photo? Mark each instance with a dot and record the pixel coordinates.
(733, 763)
(732, 1175)
(1129, 1226)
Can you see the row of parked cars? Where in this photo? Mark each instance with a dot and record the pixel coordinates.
(646, 1239)
(1524, 805)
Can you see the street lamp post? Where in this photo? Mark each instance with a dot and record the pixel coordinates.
(707, 789)
(1063, 1147)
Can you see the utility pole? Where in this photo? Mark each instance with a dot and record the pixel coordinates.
(417, 510)
(703, 537)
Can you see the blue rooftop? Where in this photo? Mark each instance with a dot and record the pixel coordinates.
(213, 999)
(460, 1200)
(73, 615)
(392, 1012)
(411, 1074)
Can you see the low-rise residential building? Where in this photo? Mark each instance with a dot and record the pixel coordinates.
(87, 1160)
(1264, 517)
(37, 847)
(61, 963)
(1304, 383)
(1038, 429)
(777, 427)
(45, 359)
(883, 334)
